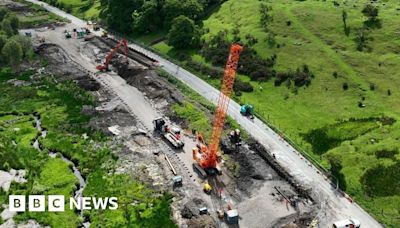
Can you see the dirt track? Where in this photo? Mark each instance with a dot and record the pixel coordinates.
(149, 97)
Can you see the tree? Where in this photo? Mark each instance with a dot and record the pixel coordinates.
(370, 11)
(3, 13)
(361, 39)
(265, 15)
(118, 13)
(7, 28)
(25, 43)
(174, 8)
(148, 18)
(3, 40)
(14, 22)
(12, 53)
(183, 33)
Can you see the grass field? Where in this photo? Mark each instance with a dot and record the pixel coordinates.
(88, 10)
(59, 106)
(311, 32)
(36, 16)
(316, 37)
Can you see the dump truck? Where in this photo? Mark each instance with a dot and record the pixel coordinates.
(171, 134)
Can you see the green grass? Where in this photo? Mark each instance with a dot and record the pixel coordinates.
(55, 178)
(37, 16)
(316, 37)
(88, 10)
(59, 106)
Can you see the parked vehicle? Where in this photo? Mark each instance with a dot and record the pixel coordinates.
(347, 223)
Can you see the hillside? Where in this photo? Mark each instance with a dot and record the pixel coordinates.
(347, 117)
(312, 33)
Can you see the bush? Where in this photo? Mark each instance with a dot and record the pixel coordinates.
(242, 86)
(386, 154)
(372, 86)
(345, 86)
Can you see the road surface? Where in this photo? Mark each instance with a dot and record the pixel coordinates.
(286, 155)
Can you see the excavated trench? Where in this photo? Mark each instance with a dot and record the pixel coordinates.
(257, 165)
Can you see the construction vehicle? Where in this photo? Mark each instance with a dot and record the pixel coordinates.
(67, 35)
(207, 157)
(207, 188)
(111, 54)
(347, 223)
(203, 211)
(177, 181)
(80, 33)
(171, 134)
(247, 110)
(232, 216)
(96, 27)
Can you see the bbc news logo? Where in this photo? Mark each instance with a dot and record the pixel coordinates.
(56, 203)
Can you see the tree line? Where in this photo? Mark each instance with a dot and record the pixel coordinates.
(14, 47)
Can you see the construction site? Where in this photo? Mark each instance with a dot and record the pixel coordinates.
(133, 106)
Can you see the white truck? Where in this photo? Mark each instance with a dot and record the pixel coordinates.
(172, 134)
(347, 223)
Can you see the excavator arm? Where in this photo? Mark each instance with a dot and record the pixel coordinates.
(112, 53)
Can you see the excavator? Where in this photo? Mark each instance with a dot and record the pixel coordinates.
(104, 67)
(207, 157)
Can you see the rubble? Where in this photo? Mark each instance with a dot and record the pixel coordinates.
(257, 174)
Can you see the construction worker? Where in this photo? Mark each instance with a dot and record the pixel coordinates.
(235, 136)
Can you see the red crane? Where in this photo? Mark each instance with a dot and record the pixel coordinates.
(111, 54)
(207, 157)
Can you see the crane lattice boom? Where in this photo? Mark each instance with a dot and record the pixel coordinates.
(210, 156)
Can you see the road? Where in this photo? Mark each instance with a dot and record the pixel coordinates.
(286, 155)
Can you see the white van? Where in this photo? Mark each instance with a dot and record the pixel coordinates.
(347, 223)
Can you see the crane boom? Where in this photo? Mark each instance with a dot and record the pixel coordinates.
(209, 157)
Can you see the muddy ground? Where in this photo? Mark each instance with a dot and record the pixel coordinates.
(253, 185)
(257, 165)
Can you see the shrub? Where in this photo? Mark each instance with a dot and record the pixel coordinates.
(242, 86)
(372, 86)
(345, 86)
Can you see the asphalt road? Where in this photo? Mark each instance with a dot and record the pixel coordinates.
(288, 157)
